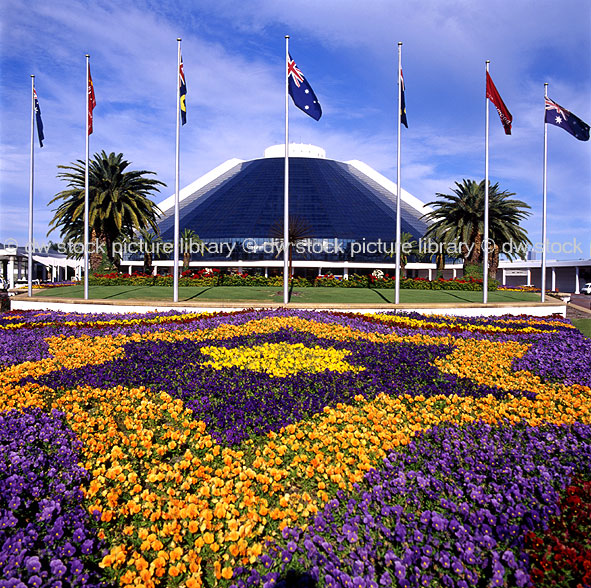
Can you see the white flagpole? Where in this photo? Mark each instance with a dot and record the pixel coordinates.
(544, 185)
(485, 238)
(397, 291)
(286, 182)
(175, 280)
(31, 172)
(86, 198)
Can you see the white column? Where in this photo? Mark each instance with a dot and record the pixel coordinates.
(345, 271)
(504, 277)
(10, 276)
(577, 281)
(455, 273)
(430, 274)
(553, 279)
(528, 277)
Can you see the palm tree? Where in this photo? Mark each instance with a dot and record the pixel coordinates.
(297, 231)
(408, 246)
(458, 219)
(119, 203)
(188, 239)
(149, 244)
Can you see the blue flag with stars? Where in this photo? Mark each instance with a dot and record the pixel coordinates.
(301, 92)
(561, 117)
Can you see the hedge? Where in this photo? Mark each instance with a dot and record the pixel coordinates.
(217, 278)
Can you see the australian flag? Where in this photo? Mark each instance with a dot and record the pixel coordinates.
(38, 119)
(556, 115)
(301, 92)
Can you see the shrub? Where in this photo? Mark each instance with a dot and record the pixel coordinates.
(210, 278)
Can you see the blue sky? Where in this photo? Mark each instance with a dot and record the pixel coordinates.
(233, 55)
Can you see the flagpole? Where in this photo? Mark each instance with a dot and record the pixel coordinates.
(31, 174)
(175, 280)
(544, 186)
(485, 239)
(286, 182)
(397, 290)
(86, 197)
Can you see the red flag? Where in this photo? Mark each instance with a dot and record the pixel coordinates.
(91, 101)
(495, 98)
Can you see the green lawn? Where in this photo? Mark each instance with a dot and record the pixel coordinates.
(584, 325)
(273, 294)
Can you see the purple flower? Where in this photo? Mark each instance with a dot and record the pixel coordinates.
(509, 558)
(32, 564)
(443, 558)
(457, 566)
(350, 533)
(57, 567)
(39, 461)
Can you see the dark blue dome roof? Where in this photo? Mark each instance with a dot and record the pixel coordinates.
(333, 199)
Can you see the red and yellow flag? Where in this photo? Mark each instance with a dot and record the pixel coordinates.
(91, 101)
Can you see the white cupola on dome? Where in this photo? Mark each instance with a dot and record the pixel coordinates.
(296, 150)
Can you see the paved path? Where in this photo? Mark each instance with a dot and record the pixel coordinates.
(582, 300)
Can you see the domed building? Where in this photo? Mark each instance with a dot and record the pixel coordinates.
(339, 211)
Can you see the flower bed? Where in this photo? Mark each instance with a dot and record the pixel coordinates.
(46, 534)
(211, 278)
(297, 447)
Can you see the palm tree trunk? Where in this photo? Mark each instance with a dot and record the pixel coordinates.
(96, 257)
(475, 256)
(147, 262)
(493, 264)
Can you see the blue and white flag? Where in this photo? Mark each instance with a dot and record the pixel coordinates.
(561, 117)
(38, 118)
(301, 92)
